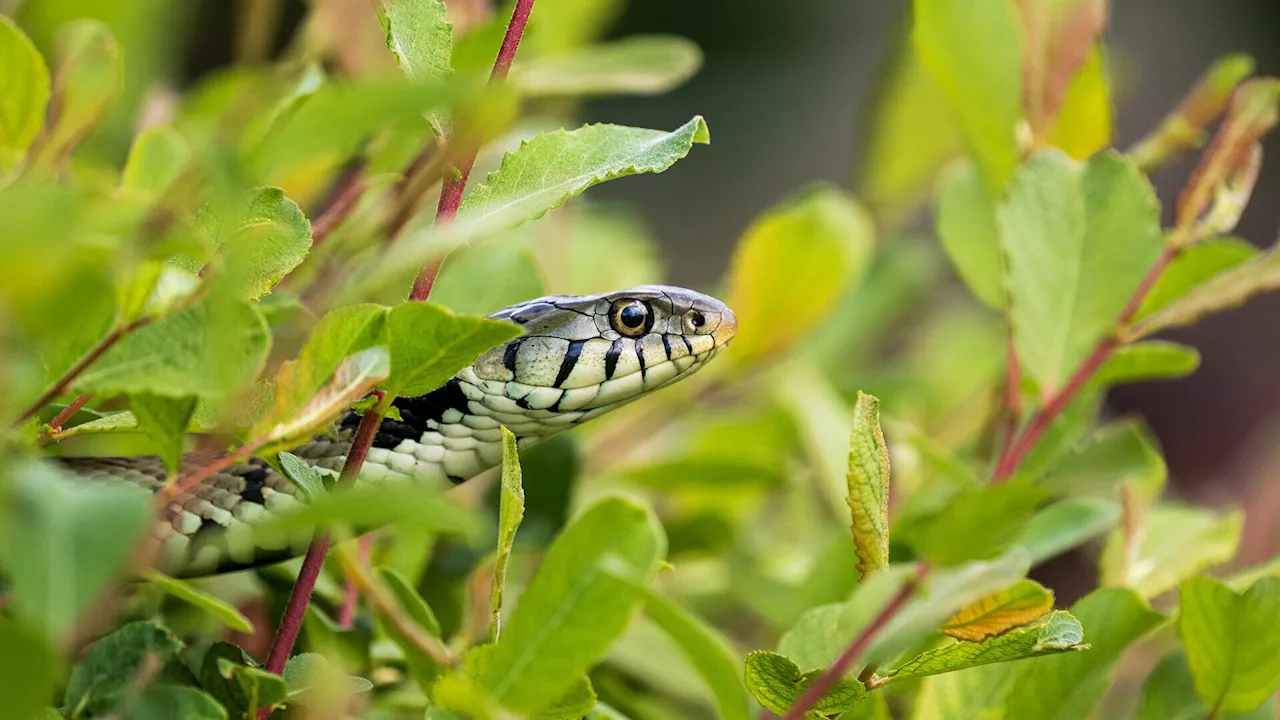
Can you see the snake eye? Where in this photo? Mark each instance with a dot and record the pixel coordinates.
(630, 318)
(698, 319)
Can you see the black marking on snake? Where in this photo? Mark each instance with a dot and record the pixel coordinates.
(570, 359)
(687, 345)
(573, 309)
(555, 406)
(523, 403)
(666, 345)
(509, 355)
(530, 312)
(611, 358)
(254, 481)
(640, 358)
(456, 480)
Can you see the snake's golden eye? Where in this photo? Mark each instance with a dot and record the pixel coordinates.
(631, 318)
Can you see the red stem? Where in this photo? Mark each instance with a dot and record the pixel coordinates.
(90, 358)
(341, 202)
(1053, 407)
(828, 679)
(456, 182)
(68, 411)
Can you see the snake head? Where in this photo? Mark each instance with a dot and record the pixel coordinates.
(586, 354)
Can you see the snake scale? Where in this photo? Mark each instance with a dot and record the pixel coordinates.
(580, 356)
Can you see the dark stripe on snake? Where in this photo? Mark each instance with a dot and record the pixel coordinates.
(611, 358)
(530, 312)
(687, 345)
(666, 345)
(570, 359)
(509, 356)
(640, 358)
(254, 480)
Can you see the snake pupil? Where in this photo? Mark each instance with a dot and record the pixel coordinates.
(632, 316)
(698, 319)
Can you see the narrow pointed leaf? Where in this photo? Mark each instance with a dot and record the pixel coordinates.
(639, 65)
(1221, 292)
(1193, 267)
(868, 484)
(354, 378)
(1066, 524)
(1058, 633)
(193, 595)
(1000, 612)
(511, 511)
(1146, 361)
(24, 93)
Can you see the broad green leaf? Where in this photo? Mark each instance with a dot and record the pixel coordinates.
(99, 680)
(1066, 524)
(354, 378)
(791, 266)
(226, 673)
(1059, 632)
(912, 135)
(372, 504)
(311, 679)
(1078, 239)
(1174, 543)
(268, 241)
(420, 37)
(553, 167)
(975, 524)
(1115, 454)
(1083, 124)
(1231, 640)
(28, 671)
(1146, 361)
(422, 666)
(1067, 686)
(88, 72)
(65, 540)
(1194, 266)
(205, 350)
(1227, 289)
(487, 277)
(165, 421)
(193, 595)
(164, 701)
(156, 159)
(575, 703)
(943, 594)
(868, 486)
(572, 610)
(966, 220)
(429, 344)
(977, 692)
(777, 683)
(511, 511)
(1170, 694)
(973, 51)
(819, 635)
(1240, 581)
(1000, 612)
(639, 65)
(568, 24)
(302, 474)
(24, 93)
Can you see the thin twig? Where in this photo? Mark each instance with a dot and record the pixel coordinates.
(455, 180)
(81, 400)
(351, 596)
(338, 206)
(828, 679)
(90, 358)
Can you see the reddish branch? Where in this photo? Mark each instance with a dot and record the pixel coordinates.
(337, 208)
(69, 376)
(840, 668)
(62, 417)
(455, 182)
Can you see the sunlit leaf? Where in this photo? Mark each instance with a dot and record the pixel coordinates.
(1000, 612)
(1146, 361)
(354, 378)
(429, 344)
(1083, 124)
(268, 240)
(1170, 694)
(1173, 544)
(156, 158)
(193, 595)
(777, 683)
(1059, 632)
(420, 37)
(369, 505)
(640, 65)
(302, 474)
(868, 486)
(1193, 267)
(24, 93)
(1231, 639)
(511, 511)
(313, 680)
(1058, 38)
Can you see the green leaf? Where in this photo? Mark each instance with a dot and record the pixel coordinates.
(511, 511)
(777, 683)
(422, 666)
(429, 344)
(1067, 686)
(1084, 121)
(302, 474)
(164, 702)
(636, 65)
(156, 159)
(368, 505)
(1059, 37)
(1066, 524)
(24, 93)
(975, 524)
(99, 680)
(818, 637)
(868, 485)
(973, 51)
(227, 674)
(1170, 694)
(219, 608)
(65, 541)
(165, 421)
(792, 265)
(207, 350)
(568, 24)
(1173, 544)
(573, 610)
(1145, 361)
(553, 167)
(1059, 632)
(1078, 240)
(354, 378)
(1194, 266)
(486, 277)
(966, 220)
(420, 37)
(269, 240)
(88, 73)
(311, 679)
(1224, 290)
(1231, 639)
(1000, 612)
(575, 703)
(1120, 453)
(28, 671)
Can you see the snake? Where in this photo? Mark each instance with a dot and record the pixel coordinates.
(579, 357)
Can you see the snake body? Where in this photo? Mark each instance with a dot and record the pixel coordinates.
(580, 356)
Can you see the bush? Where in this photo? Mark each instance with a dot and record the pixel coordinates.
(764, 538)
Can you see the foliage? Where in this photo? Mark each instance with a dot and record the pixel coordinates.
(233, 277)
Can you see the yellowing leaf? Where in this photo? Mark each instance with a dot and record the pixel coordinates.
(868, 481)
(1084, 122)
(1000, 612)
(24, 93)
